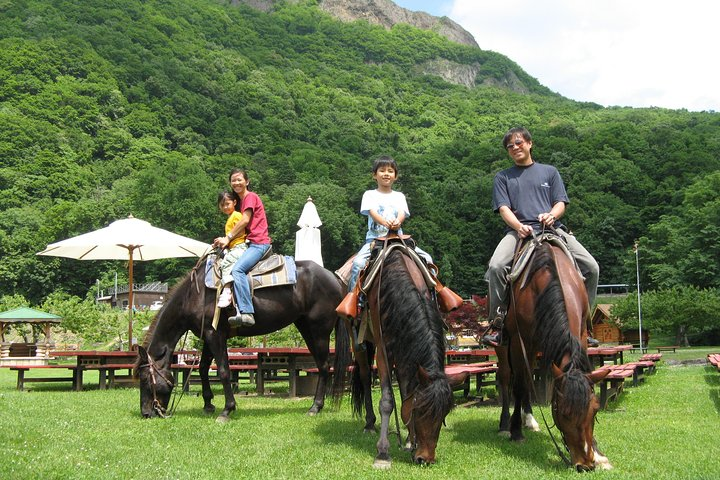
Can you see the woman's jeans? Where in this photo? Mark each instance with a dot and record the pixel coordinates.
(244, 264)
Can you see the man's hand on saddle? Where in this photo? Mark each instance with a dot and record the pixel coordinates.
(524, 231)
(547, 219)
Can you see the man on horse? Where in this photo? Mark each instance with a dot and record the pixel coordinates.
(529, 196)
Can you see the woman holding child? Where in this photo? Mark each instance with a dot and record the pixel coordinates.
(254, 224)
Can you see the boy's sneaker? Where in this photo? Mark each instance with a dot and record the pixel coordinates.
(225, 298)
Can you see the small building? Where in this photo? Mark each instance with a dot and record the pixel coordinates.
(605, 331)
(144, 295)
(15, 353)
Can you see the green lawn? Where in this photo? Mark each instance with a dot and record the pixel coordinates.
(666, 428)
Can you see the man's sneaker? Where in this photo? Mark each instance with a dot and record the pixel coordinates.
(592, 342)
(492, 339)
(225, 298)
(242, 320)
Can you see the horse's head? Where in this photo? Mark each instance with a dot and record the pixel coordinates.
(424, 413)
(156, 382)
(574, 406)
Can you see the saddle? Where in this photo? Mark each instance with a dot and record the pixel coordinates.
(526, 250)
(352, 304)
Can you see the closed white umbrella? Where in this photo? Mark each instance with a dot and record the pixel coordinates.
(307, 239)
(128, 239)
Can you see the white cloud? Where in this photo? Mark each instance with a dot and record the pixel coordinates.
(613, 52)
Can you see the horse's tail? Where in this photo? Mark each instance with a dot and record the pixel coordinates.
(357, 389)
(343, 357)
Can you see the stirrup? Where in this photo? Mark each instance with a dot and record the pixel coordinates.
(592, 342)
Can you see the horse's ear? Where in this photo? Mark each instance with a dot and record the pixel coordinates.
(557, 373)
(142, 355)
(598, 375)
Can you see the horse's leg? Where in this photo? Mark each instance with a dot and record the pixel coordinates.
(519, 381)
(205, 360)
(503, 384)
(382, 459)
(218, 346)
(402, 386)
(320, 349)
(529, 421)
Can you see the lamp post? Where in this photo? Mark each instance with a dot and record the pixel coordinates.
(637, 270)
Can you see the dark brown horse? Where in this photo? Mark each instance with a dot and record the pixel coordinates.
(309, 304)
(408, 336)
(547, 314)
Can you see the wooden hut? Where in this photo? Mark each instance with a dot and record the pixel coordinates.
(603, 330)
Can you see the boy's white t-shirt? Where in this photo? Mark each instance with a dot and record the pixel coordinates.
(387, 205)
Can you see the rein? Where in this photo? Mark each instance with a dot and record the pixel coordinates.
(560, 452)
(384, 350)
(157, 407)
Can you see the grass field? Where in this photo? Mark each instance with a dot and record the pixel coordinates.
(669, 427)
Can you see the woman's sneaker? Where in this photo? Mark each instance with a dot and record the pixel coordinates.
(225, 298)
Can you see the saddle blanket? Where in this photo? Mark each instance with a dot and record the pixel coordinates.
(272, 271)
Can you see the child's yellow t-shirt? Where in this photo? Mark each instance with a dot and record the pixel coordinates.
(234, 218)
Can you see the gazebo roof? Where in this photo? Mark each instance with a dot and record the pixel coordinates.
(28, 315)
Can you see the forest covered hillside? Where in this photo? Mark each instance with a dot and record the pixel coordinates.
(143, 107)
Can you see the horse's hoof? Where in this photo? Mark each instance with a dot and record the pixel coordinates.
(370, 430)
(604, 466)
(314, 410)
(504, 433)
(382, 464)
(209, 410)
(222, 419)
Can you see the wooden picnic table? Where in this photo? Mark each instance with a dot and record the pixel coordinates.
(106, 363)
(468, 356)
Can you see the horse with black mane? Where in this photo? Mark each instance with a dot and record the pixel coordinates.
(408, 337)
(309, 304)
(548, 313)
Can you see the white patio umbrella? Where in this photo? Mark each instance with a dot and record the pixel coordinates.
(128, 239)
(307, 239)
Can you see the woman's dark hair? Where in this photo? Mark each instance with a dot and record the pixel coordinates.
(235, 171)
(225, 195)
(384, 161)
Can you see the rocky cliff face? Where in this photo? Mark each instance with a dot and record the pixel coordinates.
(380, 12)
(387, 14)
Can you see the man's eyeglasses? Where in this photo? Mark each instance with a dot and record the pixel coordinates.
(516, 143)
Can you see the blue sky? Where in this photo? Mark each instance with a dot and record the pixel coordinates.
(637, 53)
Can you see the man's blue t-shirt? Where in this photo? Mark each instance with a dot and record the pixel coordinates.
(529, 191)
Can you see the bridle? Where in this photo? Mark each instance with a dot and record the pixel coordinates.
(154, 373)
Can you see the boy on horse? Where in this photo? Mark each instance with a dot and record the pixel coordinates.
(529, 196)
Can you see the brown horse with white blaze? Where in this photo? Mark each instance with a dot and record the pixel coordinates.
(408, 335)
(548, 313)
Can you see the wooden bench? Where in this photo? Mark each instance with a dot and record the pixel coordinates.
(108, 377)
(459, 375)
(668, 348)
(612, 385)
(652, 357)
(22, 379)
(714, 359)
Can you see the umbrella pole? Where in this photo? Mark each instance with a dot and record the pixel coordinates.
(130, 300)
